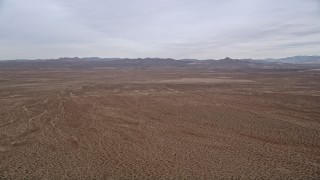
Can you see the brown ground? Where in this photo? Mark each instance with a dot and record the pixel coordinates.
(130, 124)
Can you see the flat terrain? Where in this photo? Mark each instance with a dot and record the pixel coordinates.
(160, 124)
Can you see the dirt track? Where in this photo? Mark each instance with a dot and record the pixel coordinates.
(129, 124)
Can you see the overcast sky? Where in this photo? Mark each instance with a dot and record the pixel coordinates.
(159, 28)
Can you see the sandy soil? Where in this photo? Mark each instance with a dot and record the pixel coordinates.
(129, 124)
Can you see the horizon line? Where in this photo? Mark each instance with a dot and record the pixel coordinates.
(83, 57)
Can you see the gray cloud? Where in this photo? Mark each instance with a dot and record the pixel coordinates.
(158, 28)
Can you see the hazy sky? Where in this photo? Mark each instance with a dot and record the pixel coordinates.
(159, 28)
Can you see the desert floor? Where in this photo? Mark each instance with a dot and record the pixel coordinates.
(170, 124)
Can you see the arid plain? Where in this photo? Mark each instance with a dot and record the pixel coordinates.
(159, 124)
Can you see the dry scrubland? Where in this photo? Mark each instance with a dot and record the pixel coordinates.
(131, 124)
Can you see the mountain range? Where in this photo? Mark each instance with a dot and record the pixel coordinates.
(296, 62)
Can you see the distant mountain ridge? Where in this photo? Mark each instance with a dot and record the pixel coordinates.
(297, 62)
